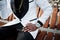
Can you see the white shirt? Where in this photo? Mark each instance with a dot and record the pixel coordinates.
(5, 9)
(31, 14)
(5, 12)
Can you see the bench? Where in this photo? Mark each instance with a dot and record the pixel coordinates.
(51, 29)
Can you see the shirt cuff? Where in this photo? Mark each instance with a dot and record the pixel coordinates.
(37, 23)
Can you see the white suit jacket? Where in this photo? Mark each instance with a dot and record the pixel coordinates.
(31, 14)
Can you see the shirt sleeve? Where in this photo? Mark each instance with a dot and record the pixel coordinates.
(6, 9)
(47, 10)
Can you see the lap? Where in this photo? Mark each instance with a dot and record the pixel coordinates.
(6, 32)
(10, 31)
(24, 36)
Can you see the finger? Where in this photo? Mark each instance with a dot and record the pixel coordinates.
(26, 30)
(30, 31)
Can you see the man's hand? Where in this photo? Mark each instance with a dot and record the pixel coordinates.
(29, 27)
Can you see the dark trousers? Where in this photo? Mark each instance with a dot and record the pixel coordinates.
(14, 30)
(8, 32)
(24, 36)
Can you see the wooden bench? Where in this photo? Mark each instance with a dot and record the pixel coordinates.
(51, 29)
(4, 21)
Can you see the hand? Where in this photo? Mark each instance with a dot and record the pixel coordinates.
(29, 27)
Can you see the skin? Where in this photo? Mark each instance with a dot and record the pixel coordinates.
(29, 27)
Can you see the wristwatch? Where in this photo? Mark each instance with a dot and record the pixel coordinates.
(39, 24)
